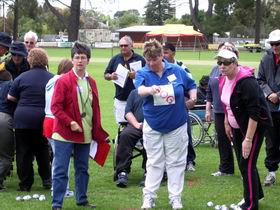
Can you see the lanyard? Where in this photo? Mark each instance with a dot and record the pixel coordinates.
(82, 100)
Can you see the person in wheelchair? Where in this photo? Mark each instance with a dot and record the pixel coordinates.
(201, 90)
(169, 52)
(128, 138)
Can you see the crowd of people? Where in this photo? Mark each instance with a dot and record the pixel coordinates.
(50, 118)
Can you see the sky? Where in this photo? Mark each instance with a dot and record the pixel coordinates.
(109, 7)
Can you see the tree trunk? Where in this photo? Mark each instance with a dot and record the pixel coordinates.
(258, 21)
(209, 12)
(15, 24)
(194, 16)
(72, 22)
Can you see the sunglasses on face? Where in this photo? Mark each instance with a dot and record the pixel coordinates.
(27, 42)
(275, 44)
(123, 45)
(225, 63)
(13, 54)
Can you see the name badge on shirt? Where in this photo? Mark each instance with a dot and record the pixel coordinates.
(80, 89)
(165, 97)
(171, 78)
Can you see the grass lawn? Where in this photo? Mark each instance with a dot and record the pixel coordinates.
(200, 187)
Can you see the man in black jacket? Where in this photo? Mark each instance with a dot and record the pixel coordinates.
(269, 80)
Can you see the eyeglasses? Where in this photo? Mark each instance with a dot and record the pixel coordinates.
(80, 57)
(14, 54)
(226, 63)
(275, 44)
(27, 42)
(123, 45)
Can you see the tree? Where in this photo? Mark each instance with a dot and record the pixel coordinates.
(258, 21)
(157, 11)
(72, 22)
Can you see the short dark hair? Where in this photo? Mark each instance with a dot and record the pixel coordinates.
(204, 81)
(80, 48)
(169, 46)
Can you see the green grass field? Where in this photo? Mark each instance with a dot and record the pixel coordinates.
(200, 187)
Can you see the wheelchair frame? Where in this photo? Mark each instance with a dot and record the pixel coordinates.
(200, 128)
(137, 149)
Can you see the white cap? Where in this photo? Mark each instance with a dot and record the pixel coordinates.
(274, 36)
(227, 54)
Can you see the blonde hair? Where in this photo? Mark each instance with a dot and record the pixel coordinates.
(152, 49)
(37, 57)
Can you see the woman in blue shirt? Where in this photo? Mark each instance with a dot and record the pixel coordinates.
(164, 87)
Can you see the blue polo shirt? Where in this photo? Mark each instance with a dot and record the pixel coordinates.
(123, 93)
(165, 118)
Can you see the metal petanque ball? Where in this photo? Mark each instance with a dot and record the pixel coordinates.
(42, 198)
(26, 197)
(18, 198)
(210, 204)
(224, 207)
(217, 207)
(35, 196)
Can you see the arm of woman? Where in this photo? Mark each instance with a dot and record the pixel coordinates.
(208, 111)
(247, 142)
(145, 91)
(11, 98)
(228, 129)
(191, 101)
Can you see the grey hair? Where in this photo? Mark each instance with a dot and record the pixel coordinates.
(31, 34)
(127, 39)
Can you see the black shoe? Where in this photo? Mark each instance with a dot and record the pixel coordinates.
(56, 208)
(47, 184)
(87, 205)
(142, 182)
(24, 189)
(122, 180)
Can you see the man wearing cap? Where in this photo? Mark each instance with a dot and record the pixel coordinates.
(125, 58)
(18, 63)
(169, 52)
(5, 42)
(269, 80)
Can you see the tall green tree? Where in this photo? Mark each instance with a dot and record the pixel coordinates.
(157, 11)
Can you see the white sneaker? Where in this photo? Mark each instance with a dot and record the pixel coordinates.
(190, 167)
(176, 203)
(241, 202)
(270, 179)
(69, 194)
(148, 202)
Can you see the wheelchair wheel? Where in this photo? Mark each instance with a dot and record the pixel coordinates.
(197, 129)
(115, 142)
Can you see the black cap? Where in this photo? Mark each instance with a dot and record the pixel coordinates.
(5, 39)
(169, 46)
(18, 48)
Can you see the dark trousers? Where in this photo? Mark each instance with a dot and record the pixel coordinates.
(128, 138)
(251, 180)
(272, 159)
(191, 153)
(7, 145)
(224, 145)
(30, 143)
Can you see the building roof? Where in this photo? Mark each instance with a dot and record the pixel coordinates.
(140, 28)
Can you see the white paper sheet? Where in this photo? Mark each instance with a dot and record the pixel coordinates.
(122, 73)
(135, 66)
(93, 149)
